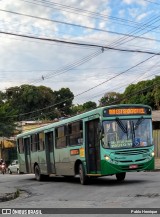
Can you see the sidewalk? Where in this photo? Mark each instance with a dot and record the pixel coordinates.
(157, 164)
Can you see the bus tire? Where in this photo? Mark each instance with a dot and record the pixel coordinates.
(38, 174)
(120, 176)
(82, 176)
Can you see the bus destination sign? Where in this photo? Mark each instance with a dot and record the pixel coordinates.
(127, 111)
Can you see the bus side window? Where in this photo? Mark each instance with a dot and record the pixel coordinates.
(75, 136)
(61, 139)
(33, 143)
(50, 141)
(41, 141)
(20, 146)
(37, 141)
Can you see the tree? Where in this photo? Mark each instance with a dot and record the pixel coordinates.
(63, 101)
(89, 106)
(31, 101)
(77, 109)
(110, 98)
(156, 92)
(7, 120)
(140, 93)
(1, 97)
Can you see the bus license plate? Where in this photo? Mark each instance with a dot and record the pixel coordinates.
(133, 166)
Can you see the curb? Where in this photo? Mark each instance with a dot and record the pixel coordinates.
(9, 196)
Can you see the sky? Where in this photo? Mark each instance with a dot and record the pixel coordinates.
(84, 64)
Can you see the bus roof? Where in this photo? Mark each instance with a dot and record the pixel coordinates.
(77, 117)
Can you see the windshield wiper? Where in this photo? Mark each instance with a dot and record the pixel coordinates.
(121, 125)
(138, 123)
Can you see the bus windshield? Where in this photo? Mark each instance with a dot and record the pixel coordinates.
(128, 133)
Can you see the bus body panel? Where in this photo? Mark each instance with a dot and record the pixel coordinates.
(22, 164)
(65, 160)
(111, 169)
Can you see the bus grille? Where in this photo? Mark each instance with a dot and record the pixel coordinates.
(132, 152)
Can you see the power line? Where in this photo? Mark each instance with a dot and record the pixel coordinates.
(107, 48)
(77, 25)
(152, 2)
(89, 88)
(77, 43)
(82, 12)
(156, 84)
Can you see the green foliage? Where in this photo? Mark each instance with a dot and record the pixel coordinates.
(89, 105)
(156, 92)
(140, 93)
(78, 109)
(32, 102)
(29, 98)
(1, 97)
(63, 101)
(7, 120)
(110, 98)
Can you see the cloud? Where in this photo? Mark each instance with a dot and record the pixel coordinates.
(141, 16)
(27, 60)
(139, 2)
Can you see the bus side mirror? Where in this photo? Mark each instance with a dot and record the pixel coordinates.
(100, 128)
(101, 131)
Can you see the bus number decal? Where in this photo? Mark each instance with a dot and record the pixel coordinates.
(74, 151)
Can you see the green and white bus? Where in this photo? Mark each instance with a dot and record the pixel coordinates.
(110, 140)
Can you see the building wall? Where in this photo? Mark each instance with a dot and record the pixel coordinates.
(156, 140)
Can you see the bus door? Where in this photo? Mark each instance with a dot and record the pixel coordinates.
(49, 147)
(92, 146)
(27, 152)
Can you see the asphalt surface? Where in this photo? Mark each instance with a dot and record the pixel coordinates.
(11, 193)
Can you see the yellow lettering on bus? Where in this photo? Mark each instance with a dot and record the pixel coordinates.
(126, 111)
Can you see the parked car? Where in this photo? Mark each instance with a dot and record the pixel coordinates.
(13, 167)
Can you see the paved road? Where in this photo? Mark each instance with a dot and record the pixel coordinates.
(139, 190)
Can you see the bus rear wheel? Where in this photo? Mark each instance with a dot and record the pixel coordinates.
(82, 176)
(38, 174)
(120, 176)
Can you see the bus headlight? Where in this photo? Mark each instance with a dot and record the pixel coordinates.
(152, 154)
(107, 157)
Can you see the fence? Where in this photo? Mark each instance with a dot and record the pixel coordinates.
(156, 140)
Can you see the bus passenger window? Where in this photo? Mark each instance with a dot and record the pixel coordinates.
(60, 134)
(41, 141)
(33, 143)
(37, 141)
(20, 146)
(75, 136)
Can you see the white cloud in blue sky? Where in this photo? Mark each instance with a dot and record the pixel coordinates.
(27, 60)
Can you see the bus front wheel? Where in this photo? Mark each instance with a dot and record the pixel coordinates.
(82, 176)
(120, 176)
(38, 175)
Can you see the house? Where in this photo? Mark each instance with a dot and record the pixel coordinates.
(156, 119)
(156, 131)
